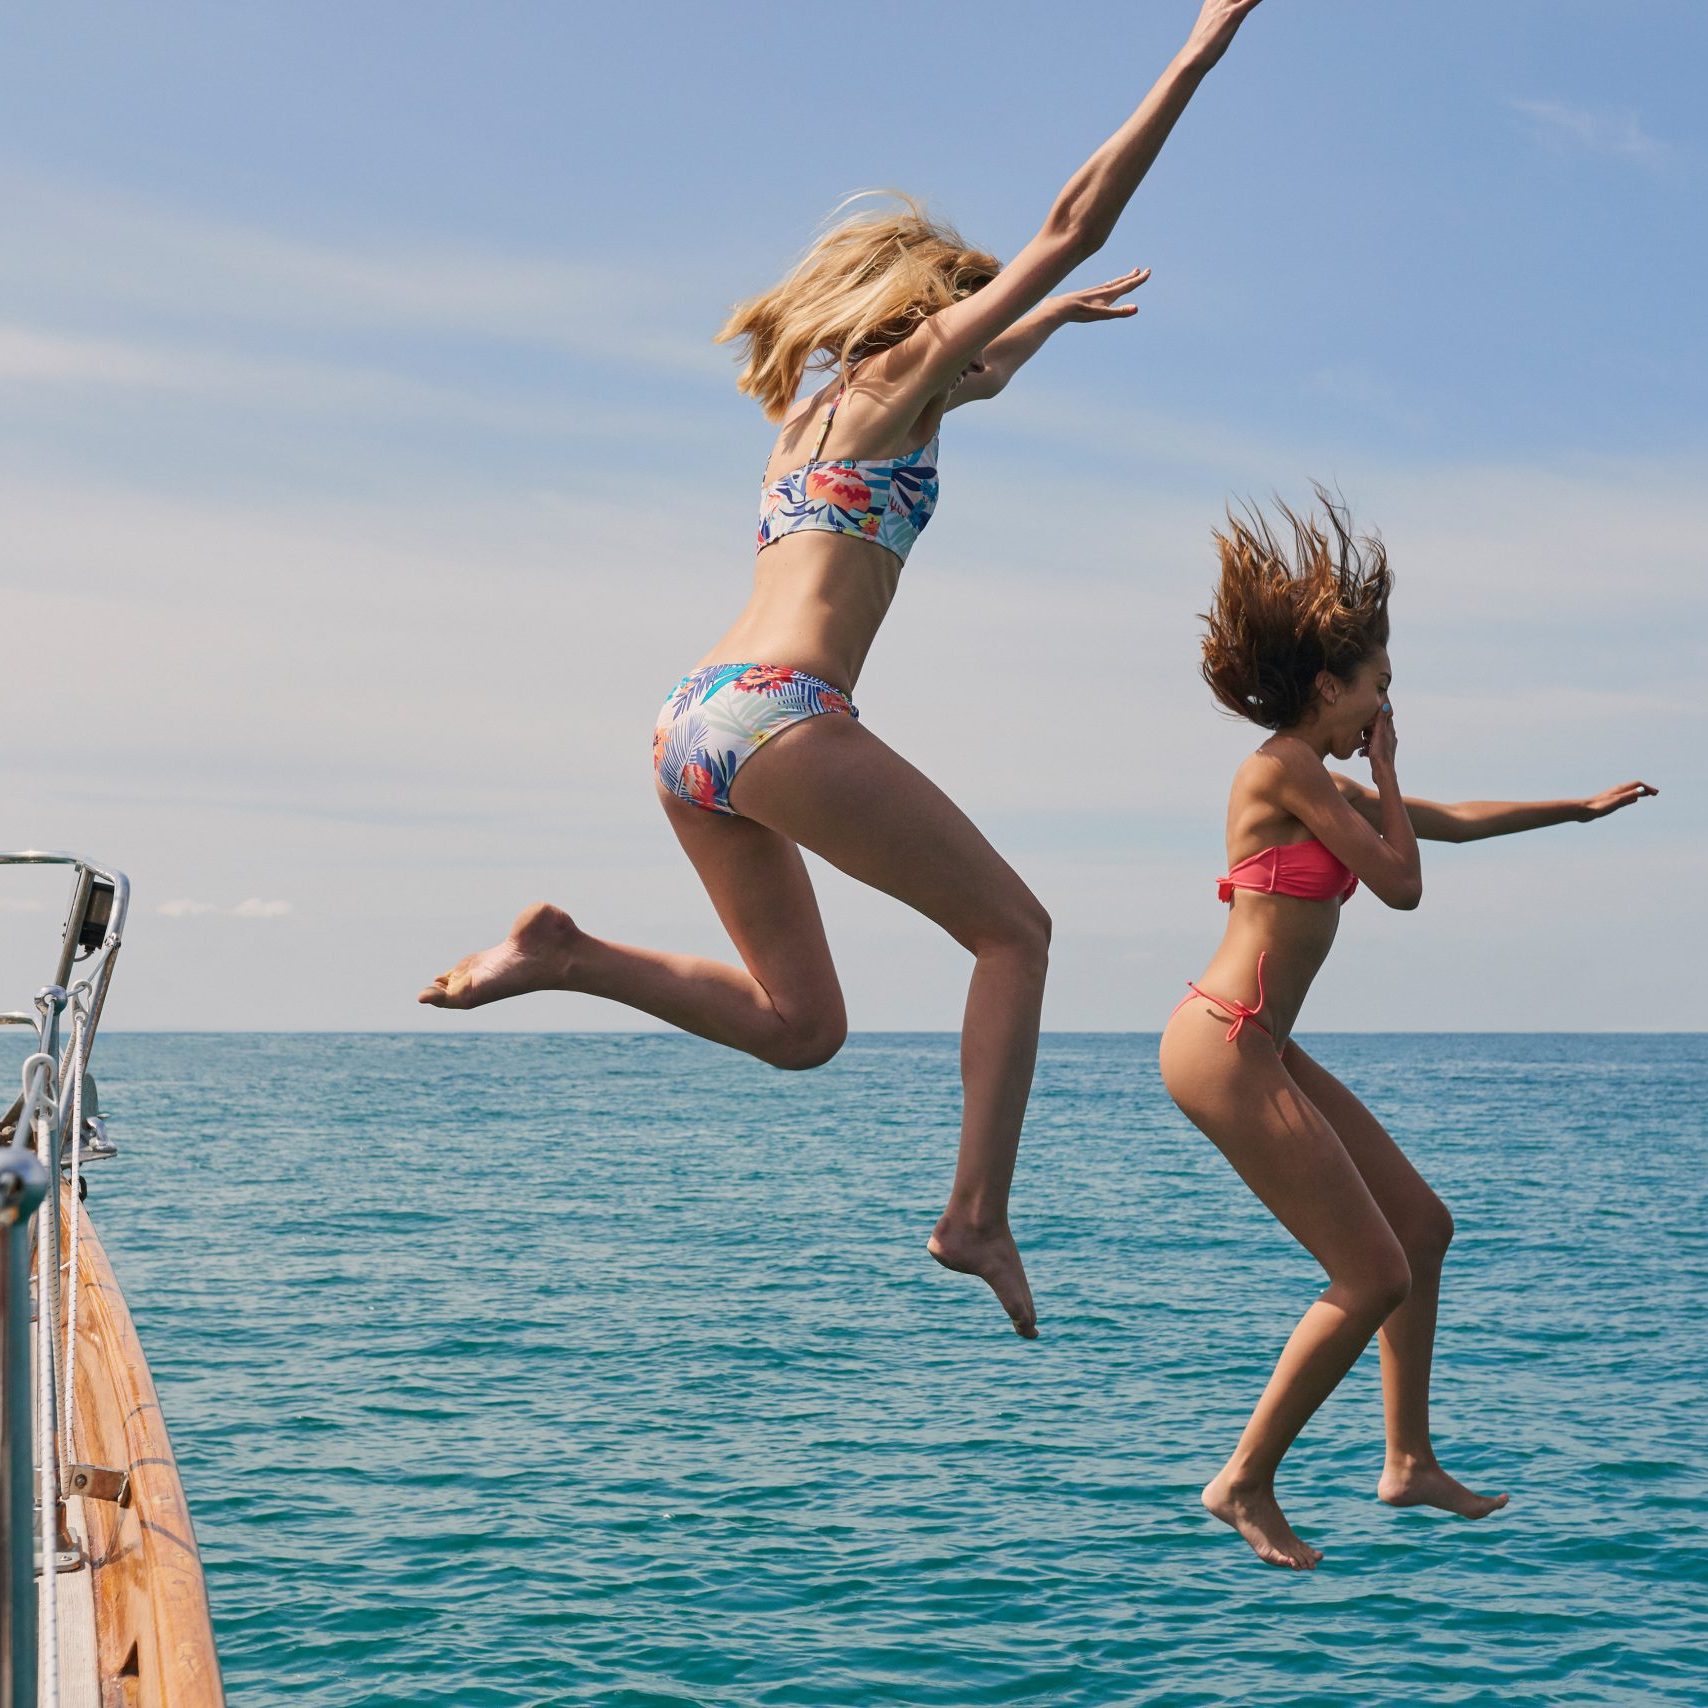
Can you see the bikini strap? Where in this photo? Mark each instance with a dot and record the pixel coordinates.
(1240, 1011)
(829, 416)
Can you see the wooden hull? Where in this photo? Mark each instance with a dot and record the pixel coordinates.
(153, 1632)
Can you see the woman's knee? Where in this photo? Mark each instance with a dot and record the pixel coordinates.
(1392, 1286)
(1428, 1233)
(1377, 1284)
(1389, 1282)
(1020, 928)
(809, 1042)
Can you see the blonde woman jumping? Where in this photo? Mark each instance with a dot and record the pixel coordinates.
(759, 751)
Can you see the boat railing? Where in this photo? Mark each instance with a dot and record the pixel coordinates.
(46, 1135)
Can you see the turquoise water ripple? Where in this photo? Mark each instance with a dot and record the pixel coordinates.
(531, 1370)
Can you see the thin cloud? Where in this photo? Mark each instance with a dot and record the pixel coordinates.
(27, 354)
(253, 908)
(42, 357)
(1620, 134)
(103, 246)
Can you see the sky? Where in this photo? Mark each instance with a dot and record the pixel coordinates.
(369, 476)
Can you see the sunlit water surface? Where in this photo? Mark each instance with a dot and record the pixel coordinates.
(534, 1370)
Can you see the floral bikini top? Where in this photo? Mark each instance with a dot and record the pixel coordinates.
(887, 500)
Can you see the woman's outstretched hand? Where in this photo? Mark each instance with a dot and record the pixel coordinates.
(1102, 302)
(1611, 800)
(1218, 22)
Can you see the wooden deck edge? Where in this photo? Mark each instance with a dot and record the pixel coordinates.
(154, 1632)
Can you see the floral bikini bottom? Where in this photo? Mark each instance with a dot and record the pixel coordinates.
(716, 719)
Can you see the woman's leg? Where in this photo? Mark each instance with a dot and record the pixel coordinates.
(1245, 1102)
(829, 785)
(1411, 1475)
(783, 1004)
(832, 786)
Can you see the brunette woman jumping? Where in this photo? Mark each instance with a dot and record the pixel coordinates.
(1297, 643)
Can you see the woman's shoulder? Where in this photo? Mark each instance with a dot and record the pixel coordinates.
(1263, 769)
(798, 431)
(807, 409)
(1278, 776)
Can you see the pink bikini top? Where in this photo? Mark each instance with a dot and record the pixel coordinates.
(1303, 869)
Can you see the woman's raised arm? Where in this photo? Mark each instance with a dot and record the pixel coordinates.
(1078, 225)
(1004, 356)
(1472, 821)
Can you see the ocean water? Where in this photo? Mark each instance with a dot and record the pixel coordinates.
(591, 1369)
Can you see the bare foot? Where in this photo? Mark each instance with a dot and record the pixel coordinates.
(535, 956)
(1429, 1485)
(991, 1254)
(1252, 1510)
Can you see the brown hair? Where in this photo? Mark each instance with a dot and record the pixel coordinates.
(1275, 624)
(863, 286)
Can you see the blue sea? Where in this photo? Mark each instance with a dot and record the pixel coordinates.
(611, 1369)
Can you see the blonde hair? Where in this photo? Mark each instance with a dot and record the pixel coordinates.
(1277, 622)
(862, 287)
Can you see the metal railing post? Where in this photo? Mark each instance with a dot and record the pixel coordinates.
(74, 923)
(23, 1186)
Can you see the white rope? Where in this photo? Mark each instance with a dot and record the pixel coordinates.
(68, 1397)
(48, 1234)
